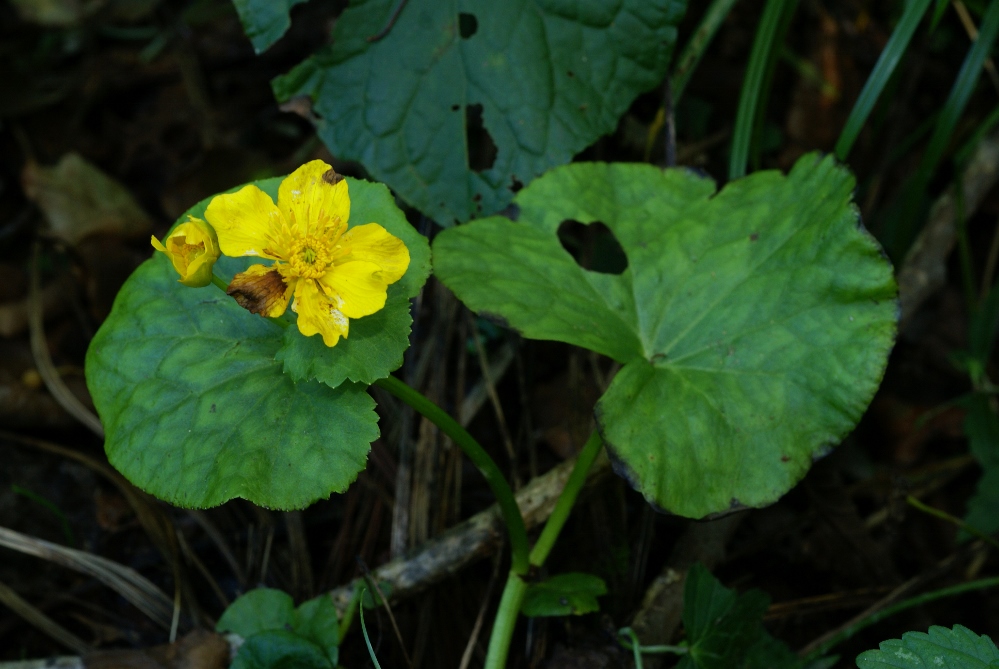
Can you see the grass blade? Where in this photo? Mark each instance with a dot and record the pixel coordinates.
(760, 58)
(902, 226)
(896, 47)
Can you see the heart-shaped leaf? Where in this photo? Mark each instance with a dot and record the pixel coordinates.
(547, 79)
(753, 324)
(196, 408)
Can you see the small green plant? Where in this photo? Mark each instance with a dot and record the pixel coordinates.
(275, 633)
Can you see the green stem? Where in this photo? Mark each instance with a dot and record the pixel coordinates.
(516, 588)
(878, 616)
(698, 44)
(634, 645)
(219, 283)
(566, 500)
(506, 620)
(494, 477)
(943, 515)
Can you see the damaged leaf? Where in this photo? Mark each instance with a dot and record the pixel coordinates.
(753, 323)
(455, 104)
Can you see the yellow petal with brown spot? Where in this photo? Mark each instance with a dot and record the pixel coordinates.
(373, 243)
(262, 290)
(247, 223)
(317, 314)
(314, 197)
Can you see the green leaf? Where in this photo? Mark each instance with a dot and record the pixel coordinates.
(563, 595)
(550, 77)
(957, 648)
(721, 625)
(279, 649)
(376, 343)
(197, 410)
(317, 621)
(264, 21)
(753, 324)
(257, 611)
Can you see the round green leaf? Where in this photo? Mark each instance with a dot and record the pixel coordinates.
(376, 343)
(197, 410)
(279, 649)
(257, 611)
(317, 621)
(546, 78)
(754, 324)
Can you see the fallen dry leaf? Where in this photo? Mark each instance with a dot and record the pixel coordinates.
(79, 200)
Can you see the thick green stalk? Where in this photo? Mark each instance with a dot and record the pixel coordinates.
(506, 620)
(516, 588)
(566, 500)
(752, 86)
(494, 477)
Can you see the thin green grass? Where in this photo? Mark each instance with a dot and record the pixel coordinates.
(760, 60)
(896, 47)
(907, 216)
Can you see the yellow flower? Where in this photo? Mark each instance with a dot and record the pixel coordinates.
(334, 273)
(192, 248)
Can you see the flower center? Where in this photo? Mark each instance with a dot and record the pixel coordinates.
(310, 257)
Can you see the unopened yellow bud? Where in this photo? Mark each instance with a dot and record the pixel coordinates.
(192, 248)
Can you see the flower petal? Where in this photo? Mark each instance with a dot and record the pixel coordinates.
(356, 288)
(261, 290)
(318, 314)
(314, 197)
(373, 243)
(246, 222)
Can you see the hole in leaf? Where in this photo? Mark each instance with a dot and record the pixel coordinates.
(481, 148)
(594, 247)
(467, 25)
(515, 183)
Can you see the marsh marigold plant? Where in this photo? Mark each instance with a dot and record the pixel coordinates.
(333, 273)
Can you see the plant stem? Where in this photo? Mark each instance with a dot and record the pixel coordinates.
(943, 515)
(516, 588)
(566, 500)
(485, 464)
(980, 584)
(698, 44)
(506, 620)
